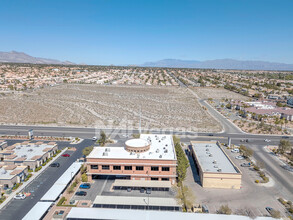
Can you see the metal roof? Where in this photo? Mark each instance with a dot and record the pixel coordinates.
(127, 200)
(37, 211)
(123, 214)
(142, 183)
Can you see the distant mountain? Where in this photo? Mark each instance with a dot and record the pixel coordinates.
(19, 57)
(220, 64)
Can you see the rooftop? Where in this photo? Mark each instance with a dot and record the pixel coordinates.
(161, 148)
(211, 158)
(27, 151)
(8, 172)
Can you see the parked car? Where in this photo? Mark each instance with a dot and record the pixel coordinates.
(285, 137)
(148, 191)
(129, 189)
(55, 165)
(246, 164)
(94, 138)
(239, 157)
(141, 190)
(81, 193)
(267, 140)
(211, 134)
(65, 155)
(236, 150)
(242, 140)
(269, 210)
(20, 196)
(85, 186)
(205, 209)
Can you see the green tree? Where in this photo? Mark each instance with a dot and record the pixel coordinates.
(185, 197)
(84, 177)
(87, 150)
(284, 146)
(182, 161)
(103, 138)
(224, 209)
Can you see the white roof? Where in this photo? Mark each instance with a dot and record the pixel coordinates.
(161, 148)
(54, 192)
(6, 174)
(30, 150)
(123, 214)
(211, 158)
(128, 200)
(37, 211)
(138, 142)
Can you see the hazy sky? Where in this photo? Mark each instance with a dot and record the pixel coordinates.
(135, 31)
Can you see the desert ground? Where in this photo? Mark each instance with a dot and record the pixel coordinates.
(108, 106)
(218, 93)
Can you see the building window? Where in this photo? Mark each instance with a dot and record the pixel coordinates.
(105, 167)
(127, 167)
(116, 167)
(165, 179)
(155, 168)
(165, 168)
(139, 167)
(95, 167)
(153, 178)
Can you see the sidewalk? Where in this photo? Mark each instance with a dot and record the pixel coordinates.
(25, 184)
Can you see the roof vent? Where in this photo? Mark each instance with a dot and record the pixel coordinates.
(219, 170)
(166, 145)
(166, 151)
(210, 155)
(160, 156)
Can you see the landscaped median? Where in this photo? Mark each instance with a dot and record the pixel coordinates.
(29, 179)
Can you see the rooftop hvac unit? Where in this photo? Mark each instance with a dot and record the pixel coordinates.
(166, 145)
(207, 149)
(207, 145)
(215, 166)
(210, 155)
(132, 153)
(166, 151)
(219, 170)
(105, 154)
(18, 148)
(30, 150)
(107, 150)
(137, 155)
(157, 151)
(214, 161)
(23, 155)
(37, 145)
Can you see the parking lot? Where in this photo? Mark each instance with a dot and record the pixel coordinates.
(250, 200)
(103, 186)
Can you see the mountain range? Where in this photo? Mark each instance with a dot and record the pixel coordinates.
(20, 57)
(220, 64)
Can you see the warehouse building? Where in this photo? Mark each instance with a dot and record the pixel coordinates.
(215, 168)
(148, 158)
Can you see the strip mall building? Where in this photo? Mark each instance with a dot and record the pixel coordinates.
(149, 158)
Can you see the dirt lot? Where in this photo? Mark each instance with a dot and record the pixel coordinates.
(218, 93)
(108, 106)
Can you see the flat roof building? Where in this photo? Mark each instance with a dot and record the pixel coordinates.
(151, 157)
(28, 154)
(215, 168)
(11, 175)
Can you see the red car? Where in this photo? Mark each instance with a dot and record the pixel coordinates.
(65, 155)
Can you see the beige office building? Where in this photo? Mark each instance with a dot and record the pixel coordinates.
(215, 168)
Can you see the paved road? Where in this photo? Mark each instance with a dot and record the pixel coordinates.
(17, 209)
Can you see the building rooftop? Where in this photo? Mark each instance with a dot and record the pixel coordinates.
(161, 148)
(27, 151)
(211, 158)
(8, 172)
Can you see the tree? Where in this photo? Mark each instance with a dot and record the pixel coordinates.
(182, 161)
(84, 177)
(229, 106)
(185, 197)
(284, 146)
(87, 150)
(224, 209)
(275, 214)
(103, 138)
(246, 152)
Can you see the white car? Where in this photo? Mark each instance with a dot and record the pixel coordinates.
(240, 157)
(267, 140)
(94, 138)
(20, 196)
(236, 150)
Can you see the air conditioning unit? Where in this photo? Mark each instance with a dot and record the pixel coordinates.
(105, 154)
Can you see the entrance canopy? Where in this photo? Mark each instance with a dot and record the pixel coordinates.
(142, 183)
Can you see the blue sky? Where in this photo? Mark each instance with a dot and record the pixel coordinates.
(136, 31)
